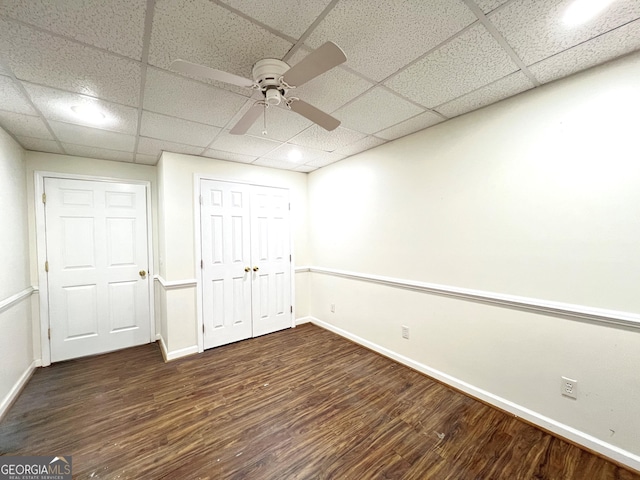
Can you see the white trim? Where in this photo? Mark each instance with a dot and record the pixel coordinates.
(182, 352)
(9, 302)
(14, 393)
(535, 305)
(603, 448)
(41, 249)
(302, 269)
(307, 319)
(175, 284)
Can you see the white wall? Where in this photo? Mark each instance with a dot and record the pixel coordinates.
(179, 261)
(64, 164)
(16, 352)
(537, 196)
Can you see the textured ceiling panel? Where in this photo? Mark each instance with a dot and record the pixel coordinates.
(231, 157)
(535, 28)
(243, 144)
(282, 124)
(375, 110)
(613, 44)
(320, 139)
(92, 137)
(202, 32)
(115, 25)
(380, 37)
(294, 154)
(471, 60)
(24, 125)
(360, 146)
(39, 144)
(181, 97)
(290, 18)
(12, 99)
(494, 92)
(419, 122)
(45, 59)
(152, 146)
(489, 5)
(102, 153)
(177, 130)
(56, 105)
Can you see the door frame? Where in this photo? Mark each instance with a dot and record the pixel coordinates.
(197, 273)
(41, 248)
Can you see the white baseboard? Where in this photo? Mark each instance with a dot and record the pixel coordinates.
(578, 437)
(173, 355)
(13, 394)
(301, 320)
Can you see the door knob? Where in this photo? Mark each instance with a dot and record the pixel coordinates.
(246, 269)
(255, 269)
(142, 273)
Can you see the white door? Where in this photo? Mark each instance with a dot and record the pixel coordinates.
(226, 262)
(246, 261)
(96, 240)
(271, 257)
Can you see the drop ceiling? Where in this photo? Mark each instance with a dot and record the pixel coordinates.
(411, 64)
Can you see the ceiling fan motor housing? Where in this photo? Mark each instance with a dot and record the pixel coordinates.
(267, 74)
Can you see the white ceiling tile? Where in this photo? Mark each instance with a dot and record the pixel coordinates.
(202, 32)
(360, 146)
(56, 105)
(243, 144)
(101, 153)
(12, 99)
(325, 159)
(92, 137)
(469, 61)
(320, 139)
(41, 58)
(39, 144)
(274, 163)
(489, 5)
(24, 125)
(115, 25)
(535, 30)
(176, 130)
(608, 46)
(282, 124)
(286, 150)
(231, 157)
(498, 90)
(375, 110)
(3, 69)
(181, 97)
(330, 90)
(290, 18)
(379, 37)
(419, 122)
(146, 159)
(154, 147)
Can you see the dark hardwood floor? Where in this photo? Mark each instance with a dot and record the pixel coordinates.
(299, 404)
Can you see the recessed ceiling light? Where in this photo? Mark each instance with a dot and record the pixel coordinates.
(295, 155)
(89, 113)
(581, 11)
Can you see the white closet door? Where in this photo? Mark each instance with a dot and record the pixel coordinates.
(96, 237)
(226, 286)
(246, 261)
(271, 256)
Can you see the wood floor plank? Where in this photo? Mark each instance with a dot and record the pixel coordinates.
(301, 404)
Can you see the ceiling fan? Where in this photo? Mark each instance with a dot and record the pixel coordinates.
(274, 78)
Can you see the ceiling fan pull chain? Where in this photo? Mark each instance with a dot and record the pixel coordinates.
(264, 116)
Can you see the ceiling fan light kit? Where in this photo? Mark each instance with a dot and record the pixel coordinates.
(274, 78)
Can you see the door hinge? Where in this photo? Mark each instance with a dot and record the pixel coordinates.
(203, 328)
(201, 202)
(291, 308)
(44, 198)
(46, 266)
(201, 264)
(49, 333)
(290, 259)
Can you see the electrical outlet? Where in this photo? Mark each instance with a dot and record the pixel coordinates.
(333, 308)
(569, 387)
(405, 332)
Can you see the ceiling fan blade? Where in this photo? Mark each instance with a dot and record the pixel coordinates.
(248, 119)
(196, 70)
(316, 63)
(314, 114)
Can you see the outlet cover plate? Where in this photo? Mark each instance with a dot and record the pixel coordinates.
(569, 387)
(405, 332)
